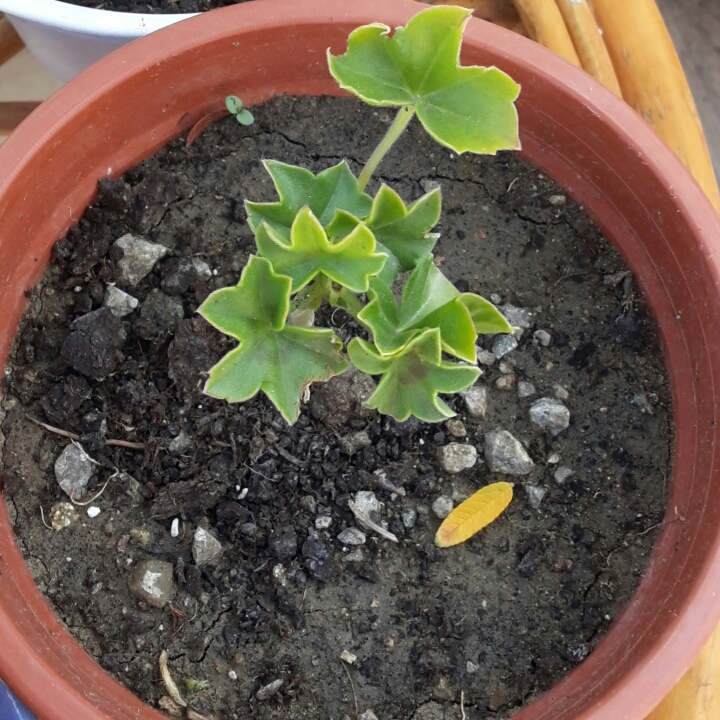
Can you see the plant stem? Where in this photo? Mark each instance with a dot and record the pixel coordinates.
(349, 302)
(405, 114)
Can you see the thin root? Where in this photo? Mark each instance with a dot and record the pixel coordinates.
(75, 437)
(96, 496)
(352, 686)
(462, 704)
(42, 516)
(170, 685)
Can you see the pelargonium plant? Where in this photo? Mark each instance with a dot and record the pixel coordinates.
(325, 240)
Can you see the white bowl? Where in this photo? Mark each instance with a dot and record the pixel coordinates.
(66, 38)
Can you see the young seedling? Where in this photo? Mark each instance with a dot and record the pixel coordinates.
(235, 107)
(326, 240)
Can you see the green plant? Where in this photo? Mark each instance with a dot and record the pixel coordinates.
(326, 240)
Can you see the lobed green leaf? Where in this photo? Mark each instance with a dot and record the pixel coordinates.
(331, 190)
(350, 262)
(279, 359)
(464, 108)
(429, 300)
(412, 378)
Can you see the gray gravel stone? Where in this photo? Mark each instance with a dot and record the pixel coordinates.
(476, 400)
(267, 691)
(283, 543)
(506, 382)
(181, 443)
(485, 357)
(352, 536)
(367, 715)
(139, 258)
(366, 502)
(62, 515)
(206, 548)
(350, 444)
(518, 317)
(456, 457)
(409, 518)
(503, 344)
(73, 469)
(356, 555)
(323, 522)
(535, 495)
(506, 454)
(152, 581)
(119, 302)
(543, 337)
(550, 414)
(562, 474)
(525, 389)
(560, 392)
(442, 506)
(456, 428)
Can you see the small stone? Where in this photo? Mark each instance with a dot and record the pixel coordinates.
(550, 414)
(471, 668)
(560, 392)
(579, 653)
(525, 389)
(543, 337)
(318, 559)
(352, 536)
(73, 470)
(476, 400)
(152, 581)
(368, 714)
(350, 444)
(642, 401)
(485, 357)
(181, 443)
(535, 495)
(505, 367)
(139, 258)
(518, 317)
(562, 474)
(119, 302)
(456, 428)
(356, 555)
(93, 511)
(62, 515)
(323, 522)
(553, 459)
(409, 518)
(141, 536)
(267, 691)
(503, 344)
(366, 502)
(201, 268)
(283, 543)
(428, 186)
(91, 344)
(506, 382)
(206, 548)
(175, 528)
(495, 299)
(280, 575)
(232, 675)
(557, 200)
(505, 454)
(456, 457)
(442, 506)
(348, 657)
(309, 503)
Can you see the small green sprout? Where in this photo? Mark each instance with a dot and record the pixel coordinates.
(235, 107)
(326, 240)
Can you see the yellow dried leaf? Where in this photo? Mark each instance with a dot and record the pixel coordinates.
(474, 514)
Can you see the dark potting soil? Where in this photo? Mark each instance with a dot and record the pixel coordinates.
(159, 7)
(500, 618)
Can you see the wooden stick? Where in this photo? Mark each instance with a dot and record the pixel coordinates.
(545, 25)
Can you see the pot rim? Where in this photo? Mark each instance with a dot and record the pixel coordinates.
(89, 21)
(671, 651)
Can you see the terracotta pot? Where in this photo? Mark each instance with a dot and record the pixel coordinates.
(134, 101)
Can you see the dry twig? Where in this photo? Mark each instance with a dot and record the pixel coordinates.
(169, 682)
(368, 523)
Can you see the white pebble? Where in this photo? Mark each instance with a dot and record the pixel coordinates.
(175, 528)
(93, 511)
